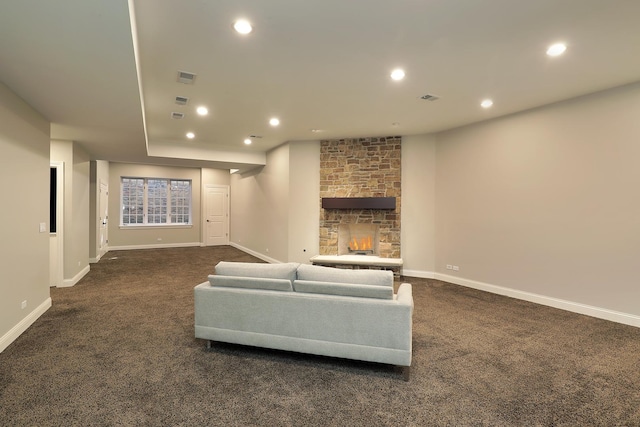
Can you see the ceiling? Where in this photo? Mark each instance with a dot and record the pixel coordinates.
(104, 72)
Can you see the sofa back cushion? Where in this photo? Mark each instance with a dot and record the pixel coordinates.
(344, 289)
(253, 269)
(251, 283)
(338, 275)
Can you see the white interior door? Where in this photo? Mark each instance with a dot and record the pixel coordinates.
(216, 215)
(103, 218)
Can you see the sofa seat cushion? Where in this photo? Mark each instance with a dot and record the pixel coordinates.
(251, 283)
(285, 271)
(343, 289)
(338, 275)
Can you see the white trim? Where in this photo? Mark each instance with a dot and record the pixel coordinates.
(575, 307)
(101, 250)
(203, 213)
(418, 273)
(23, 325)
(60, 178)
(99, 257)
(155, 246)
(148, 226)
(255, 254)
(145, 202)
(66, 283)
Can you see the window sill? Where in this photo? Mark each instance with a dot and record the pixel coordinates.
(149, 226)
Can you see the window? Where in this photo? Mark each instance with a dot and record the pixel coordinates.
(155, 201)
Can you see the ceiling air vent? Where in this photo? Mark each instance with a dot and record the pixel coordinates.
(186, 77)
(430, 97)
(181, 100)
(176, 115)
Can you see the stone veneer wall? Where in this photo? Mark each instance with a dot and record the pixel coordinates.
(361, 167)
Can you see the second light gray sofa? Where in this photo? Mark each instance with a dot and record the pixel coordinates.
(351, 314)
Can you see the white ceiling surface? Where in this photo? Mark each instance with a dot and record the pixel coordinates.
(314, 64)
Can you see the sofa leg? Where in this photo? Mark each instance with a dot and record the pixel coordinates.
(406, 373)
(209, 344)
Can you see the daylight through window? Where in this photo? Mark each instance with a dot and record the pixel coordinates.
(155, 201)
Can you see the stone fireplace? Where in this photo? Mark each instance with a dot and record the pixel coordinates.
(361, 167)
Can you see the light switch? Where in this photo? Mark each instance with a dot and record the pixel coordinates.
(43, 227)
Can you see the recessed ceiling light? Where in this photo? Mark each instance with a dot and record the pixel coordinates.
(317, 130)
(242, 26)
(203, 111)
(274, 122)
(247, 141)
(486, 103)
(191, 135)
(397, 74)
(556, 49)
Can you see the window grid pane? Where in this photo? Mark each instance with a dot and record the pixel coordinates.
(157, 201)
(132, 200)
(180, 201)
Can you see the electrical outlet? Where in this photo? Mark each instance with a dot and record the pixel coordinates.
(43, 227)
(449, 267)
(267, 249)
(24, 304)
(456, 268)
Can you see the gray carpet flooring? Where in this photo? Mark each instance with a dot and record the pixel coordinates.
(118, 349)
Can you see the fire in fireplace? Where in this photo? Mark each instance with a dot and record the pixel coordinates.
(364, 244)
(358, 239)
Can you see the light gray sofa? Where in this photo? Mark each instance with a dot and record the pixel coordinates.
(352, 314)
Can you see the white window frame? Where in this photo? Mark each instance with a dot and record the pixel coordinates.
(146, 201)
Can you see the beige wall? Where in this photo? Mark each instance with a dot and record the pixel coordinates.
(418, 205)
(546, 202)
(215, 176)
(146, 237)
(77, 260)
(24, 250)
(304, 190)
(274, 209)
(76, 208)
(259, 207)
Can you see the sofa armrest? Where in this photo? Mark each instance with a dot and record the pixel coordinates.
(405, 294)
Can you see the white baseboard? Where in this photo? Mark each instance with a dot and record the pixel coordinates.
(418, 273)
(155, 246)
(98, 258)
(24, 324)
(575, 307)
(66, 283)
(255, 254)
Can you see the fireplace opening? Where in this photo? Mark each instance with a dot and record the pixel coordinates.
(358, 239)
